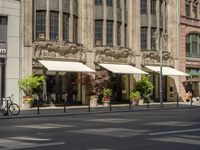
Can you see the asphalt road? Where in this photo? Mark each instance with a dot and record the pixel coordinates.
(173, 129)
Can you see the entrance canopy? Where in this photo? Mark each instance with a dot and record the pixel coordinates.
(63, 66)
(122, 69)
(167, 71)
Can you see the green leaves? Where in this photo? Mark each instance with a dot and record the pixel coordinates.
(144, 86)
(31, 82)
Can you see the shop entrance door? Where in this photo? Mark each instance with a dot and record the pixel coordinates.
(117, 88)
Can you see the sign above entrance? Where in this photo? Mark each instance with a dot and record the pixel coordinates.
(3, 53)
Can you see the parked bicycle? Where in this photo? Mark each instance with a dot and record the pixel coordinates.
(10, 106)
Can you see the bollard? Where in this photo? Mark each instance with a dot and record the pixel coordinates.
(177, 102)
(38, 105)
(89, 106)
(65, 106)
(130, 106)
(191, 102)
(6, 109)
(110, 106)
(148, 102)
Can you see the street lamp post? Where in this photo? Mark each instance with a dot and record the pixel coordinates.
(162, 46)
(161, 73)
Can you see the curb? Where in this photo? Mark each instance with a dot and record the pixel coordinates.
(91, 113)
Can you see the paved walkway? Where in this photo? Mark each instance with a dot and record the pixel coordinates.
(80, 110)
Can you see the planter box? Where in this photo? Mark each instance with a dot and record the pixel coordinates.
(93, 101)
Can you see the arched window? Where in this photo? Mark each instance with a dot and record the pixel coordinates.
(187, 8)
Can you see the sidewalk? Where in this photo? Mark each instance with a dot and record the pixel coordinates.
(80, 110)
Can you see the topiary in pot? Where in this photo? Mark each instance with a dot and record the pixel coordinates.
(144, 86)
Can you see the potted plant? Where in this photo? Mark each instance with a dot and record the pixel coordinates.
(107, 93)
(135, 97)
(28, 85)
(95, 83)
(145, 87)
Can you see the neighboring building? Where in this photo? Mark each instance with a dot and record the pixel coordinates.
(10, 48)
(96, 32)
(190, 45)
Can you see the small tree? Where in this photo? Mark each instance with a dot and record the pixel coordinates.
(30, 83)
(144, 86)
(96, 82)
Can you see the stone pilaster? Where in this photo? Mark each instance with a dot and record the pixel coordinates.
(104, 22)
(130, 23)
(149, 25)
(115, 23)
(48, 21)
(60, 23)
(71, 21)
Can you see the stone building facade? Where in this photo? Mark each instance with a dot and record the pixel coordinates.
(190, 45)
(101, 31)
(10, 51)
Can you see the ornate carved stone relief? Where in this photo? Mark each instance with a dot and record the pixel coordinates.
(59, 50)
(113, 55)
(153, 58)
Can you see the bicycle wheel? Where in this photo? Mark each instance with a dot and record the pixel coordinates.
(14, 109)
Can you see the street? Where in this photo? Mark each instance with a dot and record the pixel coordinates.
(174, 129)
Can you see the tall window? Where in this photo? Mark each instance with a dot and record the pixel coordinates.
(118, 3)
(109, 32)
(98, 2)
(109, 3)
(40, 24)
(195, 9)
(193, 45)
(75, 6)
(65, 27)
(3, 29)
(75, 30)
(118, 33)
(143, 7)
(98, 32)
(153, 7)
(53, 25)
(125, 35)
(187, 8)
(153, 39)
(143, 38)
(188, 46)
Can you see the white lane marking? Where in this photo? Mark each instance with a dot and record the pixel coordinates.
(115, 132)
(174, 123)
(44, 126)
(112, 120)
(33, 146)
(176, 131)
(178, 140)
(28, 138)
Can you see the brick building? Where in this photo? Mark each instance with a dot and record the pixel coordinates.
(190, 45)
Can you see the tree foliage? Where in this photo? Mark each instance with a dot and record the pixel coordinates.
(144, 86)
(29, 83)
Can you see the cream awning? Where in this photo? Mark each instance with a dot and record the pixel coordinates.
(122, 69)
(63, 66)
(167, 71)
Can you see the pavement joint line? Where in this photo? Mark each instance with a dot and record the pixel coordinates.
(173, 132)
(99, 112)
